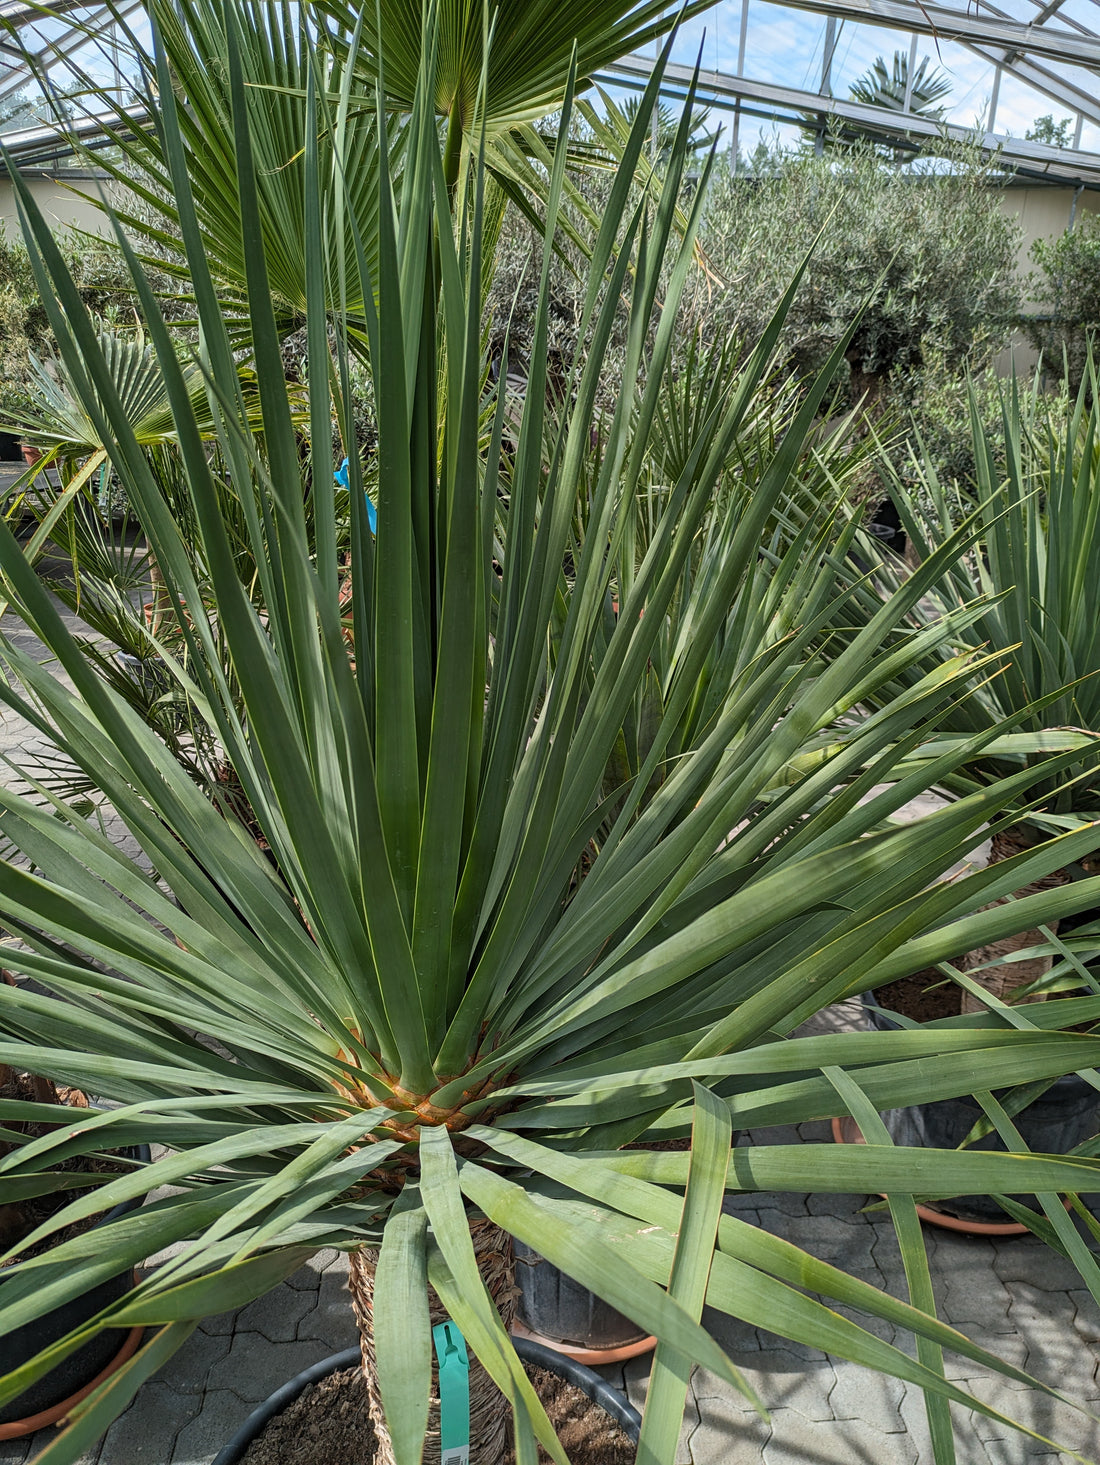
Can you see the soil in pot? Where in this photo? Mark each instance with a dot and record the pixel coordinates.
(329, 1424)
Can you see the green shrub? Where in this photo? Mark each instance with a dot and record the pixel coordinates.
(927, 255)
(1068, 285)
(936, 434)
(104, 284)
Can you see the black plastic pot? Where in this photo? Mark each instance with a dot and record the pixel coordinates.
(553, 1305)
(1053, 1124)
(78, 1370)
(610, 1400)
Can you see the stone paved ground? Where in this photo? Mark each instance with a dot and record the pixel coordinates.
(1015, 1297)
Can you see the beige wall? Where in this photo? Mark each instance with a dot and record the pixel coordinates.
(60, 201)
(1043, 213)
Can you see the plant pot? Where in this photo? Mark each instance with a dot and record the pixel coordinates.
(610, 1400)
(560, 1314)
(31, 454)
(50, 1399)
(1053, 1124)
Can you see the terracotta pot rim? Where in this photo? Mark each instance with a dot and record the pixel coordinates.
(591, 1357)
(18, 1428)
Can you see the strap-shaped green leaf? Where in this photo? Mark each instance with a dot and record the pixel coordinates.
(914, 1258)
(666, 1395)
(402, 1333)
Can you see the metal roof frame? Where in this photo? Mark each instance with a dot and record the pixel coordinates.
(994, 36)
(27, 64)
(719, 90)
(1053, 54)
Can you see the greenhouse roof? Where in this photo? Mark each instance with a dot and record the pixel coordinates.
(1004, 68)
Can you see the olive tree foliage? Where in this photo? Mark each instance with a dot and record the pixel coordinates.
(1067, 286)
(925, 253)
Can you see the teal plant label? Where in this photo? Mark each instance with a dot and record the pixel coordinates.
(454, 1394)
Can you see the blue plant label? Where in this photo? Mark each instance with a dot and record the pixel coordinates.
(454, 1394)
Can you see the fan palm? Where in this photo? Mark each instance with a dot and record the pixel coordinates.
(112, 568)
(525, 75)
(890, 89)
(423, 1033)
(883, 87)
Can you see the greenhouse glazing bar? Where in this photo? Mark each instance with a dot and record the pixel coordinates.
(720, 90)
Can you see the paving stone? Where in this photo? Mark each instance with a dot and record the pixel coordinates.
(807, 1389)
(1086, 1319)
(878, 1327)
(778, 1378)
(973, 1293)
(223, 1412)
(219, 1324)
(148, 1433)
(736, 1337)
(23, 1452)
(781, 1205)
(875, 1398)
(729, 1432)
(254, 1367)
(815, 1132)
(1007, 1346)
(307, 1278)
(1012, 1451)
(848, 1206)
(615, 1374)
(801, 1352)
(277, 1313)
(742, 1204)
(1029, 1261)
(1056, 1422)
(190, 1368)
(796, 1440)
(331, 1319)
(839, 1017)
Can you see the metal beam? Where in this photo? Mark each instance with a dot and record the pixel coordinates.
(14, 76)
(1084, 100)
(716, 89)
(48, 142)
(16, 13)
(1069, 46)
